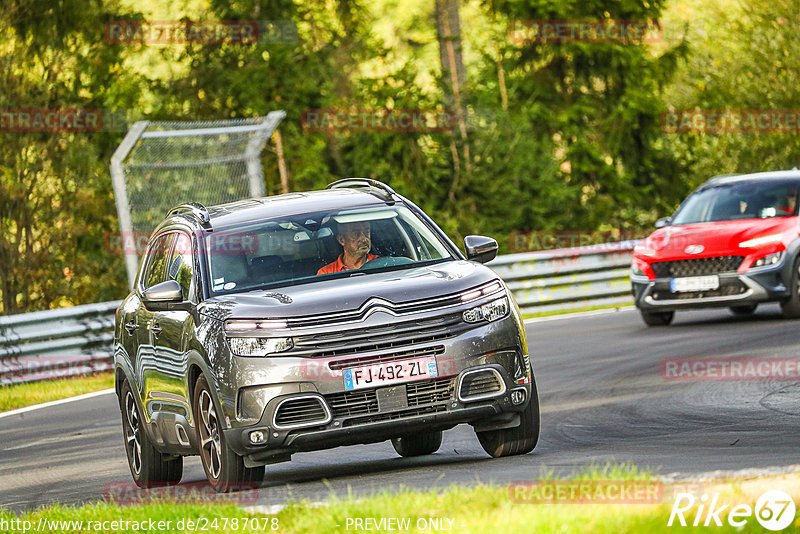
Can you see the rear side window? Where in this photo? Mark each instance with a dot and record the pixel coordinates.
(157, 256)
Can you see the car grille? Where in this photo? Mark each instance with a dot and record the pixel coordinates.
(429, 391)
(697, 266)
(480, 383)
(302, 411)
(384, 358)
(365, 401)
(402, 308)
(350, 403)
(370, 339)
(727, 287)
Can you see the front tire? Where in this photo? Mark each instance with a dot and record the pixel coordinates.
(418, 444)
(149, 468)
(791, 307)
(657, 318)
(224, 468)
(521, 439)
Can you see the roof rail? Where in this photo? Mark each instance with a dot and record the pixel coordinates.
(196, 209)
(365, 182)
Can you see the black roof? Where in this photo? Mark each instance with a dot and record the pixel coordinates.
(737, 178)
(235, 213)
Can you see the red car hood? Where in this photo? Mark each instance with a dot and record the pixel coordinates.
(720, 238)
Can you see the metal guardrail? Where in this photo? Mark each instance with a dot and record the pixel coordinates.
(567, 279)
(56, 343)
(78, 340)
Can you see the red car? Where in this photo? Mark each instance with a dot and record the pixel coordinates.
(734, 242)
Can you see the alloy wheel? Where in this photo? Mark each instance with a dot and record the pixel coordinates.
(210, 444)
(132, 433)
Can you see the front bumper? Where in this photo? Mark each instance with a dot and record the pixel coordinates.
(736, 289)
(448, 408)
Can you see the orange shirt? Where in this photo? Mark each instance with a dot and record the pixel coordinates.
(338, 266)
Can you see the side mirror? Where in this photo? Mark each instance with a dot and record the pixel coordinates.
(663, 221)
(162, 295)
(480, 248)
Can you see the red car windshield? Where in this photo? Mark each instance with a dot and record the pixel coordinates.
(740, 200)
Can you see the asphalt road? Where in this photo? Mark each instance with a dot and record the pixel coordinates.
(602, 398)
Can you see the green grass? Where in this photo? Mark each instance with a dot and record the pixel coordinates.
(22, 395)
(472, 510)
(475, 510)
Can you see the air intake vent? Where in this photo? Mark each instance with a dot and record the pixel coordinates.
(349, 403)
(481, 384)
(301, 411)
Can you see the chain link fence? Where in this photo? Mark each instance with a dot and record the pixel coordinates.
(163, 164)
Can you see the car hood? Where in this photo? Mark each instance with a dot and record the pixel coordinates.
(715, 238)
(347, 294)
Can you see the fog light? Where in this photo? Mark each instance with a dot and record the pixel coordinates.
(256, 437)
(517, 397)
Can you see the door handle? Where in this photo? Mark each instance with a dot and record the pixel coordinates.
(156, 330)
(130, 327)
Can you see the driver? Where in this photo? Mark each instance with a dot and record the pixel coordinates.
(791, 201)
(356, 242)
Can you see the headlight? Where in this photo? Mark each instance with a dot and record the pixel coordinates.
(769, 259)
(259, 346)
(497, 309)
(636, 270)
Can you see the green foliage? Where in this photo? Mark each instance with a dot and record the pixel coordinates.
(56, 205)
(745, 57)
(559, 136)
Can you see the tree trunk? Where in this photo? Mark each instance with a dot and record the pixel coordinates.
(448, 29)
(281, 162)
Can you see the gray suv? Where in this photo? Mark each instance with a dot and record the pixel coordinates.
(307, 321)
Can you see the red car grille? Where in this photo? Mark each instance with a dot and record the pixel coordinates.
(697, 266)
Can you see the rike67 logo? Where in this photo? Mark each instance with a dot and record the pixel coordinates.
(774, 510)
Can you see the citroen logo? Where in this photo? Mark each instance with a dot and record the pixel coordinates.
(694, 249)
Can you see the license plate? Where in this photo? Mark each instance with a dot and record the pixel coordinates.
(379, 374)
(694, 283)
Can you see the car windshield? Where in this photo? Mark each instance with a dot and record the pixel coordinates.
(740, 200)
(309, 247)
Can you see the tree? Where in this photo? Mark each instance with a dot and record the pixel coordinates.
(584, 127)
(56, 207)
(745, 58)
